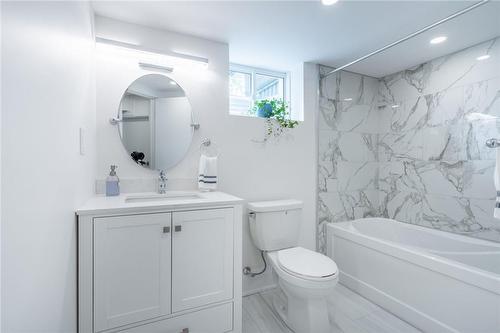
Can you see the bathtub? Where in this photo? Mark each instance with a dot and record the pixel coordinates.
(436, 281)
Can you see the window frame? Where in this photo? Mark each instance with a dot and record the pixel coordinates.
(253, 72)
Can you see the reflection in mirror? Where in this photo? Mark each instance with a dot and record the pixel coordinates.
(156, 122)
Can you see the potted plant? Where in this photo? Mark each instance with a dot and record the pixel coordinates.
(277, 116)
(264, 110)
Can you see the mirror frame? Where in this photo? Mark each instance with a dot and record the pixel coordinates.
(116, 120)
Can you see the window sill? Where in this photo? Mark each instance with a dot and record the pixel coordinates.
(255, 117)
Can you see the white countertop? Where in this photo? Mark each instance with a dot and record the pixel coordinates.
(101, 204)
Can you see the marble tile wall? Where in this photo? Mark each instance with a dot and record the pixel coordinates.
(410, 146)
(348, 148)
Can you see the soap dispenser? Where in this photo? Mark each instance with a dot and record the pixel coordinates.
(112, 183)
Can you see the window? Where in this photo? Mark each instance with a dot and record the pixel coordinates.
(248, 84)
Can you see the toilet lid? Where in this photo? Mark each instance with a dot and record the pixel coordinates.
(306, 262)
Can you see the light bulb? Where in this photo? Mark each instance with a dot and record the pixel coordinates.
(438, 40)
(483, 57)
(328, 2)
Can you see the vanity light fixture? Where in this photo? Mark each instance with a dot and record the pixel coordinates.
(329, 2)
(156, 67)
(154, 58)
(483, 57)
(438, 40)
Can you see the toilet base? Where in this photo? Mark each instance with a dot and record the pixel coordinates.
(303, 314)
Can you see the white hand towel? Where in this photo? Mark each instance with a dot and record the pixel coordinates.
(496, 213)
(207, 175)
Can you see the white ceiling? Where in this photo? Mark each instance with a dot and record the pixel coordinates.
(474, 27)
(281, 34)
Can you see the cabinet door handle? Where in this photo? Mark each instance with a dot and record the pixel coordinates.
(178, 228)
(166, 230)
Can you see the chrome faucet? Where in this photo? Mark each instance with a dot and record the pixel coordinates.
(162, 182)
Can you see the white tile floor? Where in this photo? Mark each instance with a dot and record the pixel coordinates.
(352, 313)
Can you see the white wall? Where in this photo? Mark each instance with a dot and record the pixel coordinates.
(247, 169)
(1, 63)
(48, 90)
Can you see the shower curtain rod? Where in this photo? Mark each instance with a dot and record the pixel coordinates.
(399, 41)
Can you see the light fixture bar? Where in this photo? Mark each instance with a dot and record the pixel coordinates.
(158, 67)
(416, 33)
(142, 49)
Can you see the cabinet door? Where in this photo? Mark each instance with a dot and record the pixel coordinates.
(202, 257)
(132, 269)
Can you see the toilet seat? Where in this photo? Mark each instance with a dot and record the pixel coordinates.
(306, 264)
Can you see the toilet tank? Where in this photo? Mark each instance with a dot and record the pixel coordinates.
(274, 225)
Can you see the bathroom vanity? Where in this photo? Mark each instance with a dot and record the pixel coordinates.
(167, 263)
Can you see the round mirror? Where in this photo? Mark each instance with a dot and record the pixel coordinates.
(155, 122)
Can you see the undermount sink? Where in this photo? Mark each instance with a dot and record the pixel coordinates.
(169, 196)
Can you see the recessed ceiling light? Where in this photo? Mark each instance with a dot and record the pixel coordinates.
(483, 57)
(173, 83)
(328, 2)
(438, 40)
(347, 99)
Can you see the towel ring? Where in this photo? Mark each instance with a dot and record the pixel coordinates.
(208, 148)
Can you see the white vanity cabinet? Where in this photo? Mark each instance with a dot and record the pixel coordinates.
(147, 268)
(202, 258)
(132, 269)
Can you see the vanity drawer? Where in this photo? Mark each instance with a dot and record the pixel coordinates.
(217, 319)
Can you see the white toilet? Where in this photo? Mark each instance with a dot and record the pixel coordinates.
(307, 278)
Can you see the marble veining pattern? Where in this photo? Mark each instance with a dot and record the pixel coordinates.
(410, 146)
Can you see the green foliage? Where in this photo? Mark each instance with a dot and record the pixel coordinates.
(279, 111)
(277, 116)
